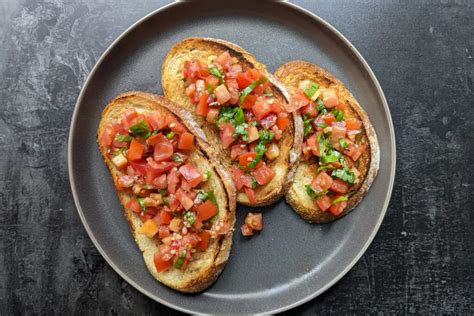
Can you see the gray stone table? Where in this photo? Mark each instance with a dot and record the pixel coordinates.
(420, 262)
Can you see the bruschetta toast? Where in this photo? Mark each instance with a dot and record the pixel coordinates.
(243, 111)
(178, 200)
(340, 153)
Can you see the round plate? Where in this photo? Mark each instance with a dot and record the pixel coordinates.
(290, 261)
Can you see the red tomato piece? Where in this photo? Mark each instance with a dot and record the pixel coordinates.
(329, 118)
(227, 134)
(203, 244)
(254, 221)
(323, 202)
(191, 174)
(322, 181)
(261, 109)
(185, 201)
(237, 177)
(190, 90)
(186, 141)
(202, 107)
(222, 94)
(165, 217)
(247, 158)
(338, 208)
(336, 133)
(160, 264)
(139, 166)
(339, 186)
(212, 115)
(243, 80)
(282, 122)
(163, 231)
(246, 230)
(237, 150)
(155, 139)
(133, 205)
(107, 137)
(250, 195)
(330, 98)
(249, 101)
(314, 145)
(136, 150)
(353, 123)
(175, 125)
(173, 180)
(128, 118)
(297, 101)
(310, 110)
(224, 59)
(264, 174)
(355, 151)
(206, 210)
(163, 150)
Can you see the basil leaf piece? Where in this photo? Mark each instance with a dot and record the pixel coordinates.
(339, 115)
(190, 217)
(141, 129)
(265, 135)
(332, 156)
(241, 130)
(244, 93)
(254, 183)
(311, 90)
(123, 138)
(339, 199)
(234, 115)
(177, 158)
(313, 194)
(343, 143)
(322, 125)
(207, 175)
(201, 195)
(344, 175)
(216, 72)
(141, 201)
(260, 149)
(307, 127)
(180, 260)
(170, 135)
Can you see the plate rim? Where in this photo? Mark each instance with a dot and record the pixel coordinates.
(336, 278)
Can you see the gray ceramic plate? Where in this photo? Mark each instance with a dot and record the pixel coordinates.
(290, 262)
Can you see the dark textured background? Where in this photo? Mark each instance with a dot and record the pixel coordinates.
(422, 259)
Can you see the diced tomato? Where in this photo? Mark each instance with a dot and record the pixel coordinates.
(249, 101)
(186, 141)
(264, 174)
(163, 151)
(261, 109)
(254, 74)
(197, 224)
(314, 145)
(149, 228)
(212, 115)
(224, 59)
(247, 158)
(310, 110)
(353, 123)
(261, 88)
(160, 264)
(246, 230)
(355, 151)
(227, 134)
(237, 150)
(158, 168)
(222, 94)
(269, 121)
(339, 186)
(237, 176)
(323, 202)
(250, 195)
(128, 118)
(307, 153)
(144, 217)
(175, 125)
(254, 221)
(233, 88)
(173, 180)
(202, 245)
(191, 174)
(107, 137)
(206, 210)
(204, 70)
(212, 81)
(133, 205)
(277, 132)
(155, 139)
(336, 133)
(175, 224)
(190, 90)
(243, 79)
(252, 133)
(330, 98)
(329, 118)
(297, 101)
(273, 151)
(282, 122)
(338, 208)
(139, 166)
(136, 150)
(156, 120)
(221, 226)
(185, 201)
(165, 217)
(202, 107)
(322, 181)
(163, 231)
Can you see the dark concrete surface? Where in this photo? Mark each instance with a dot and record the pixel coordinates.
(421, 261)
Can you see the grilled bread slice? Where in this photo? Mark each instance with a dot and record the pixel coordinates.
(174, 88)
(205, 266)
(292, 74)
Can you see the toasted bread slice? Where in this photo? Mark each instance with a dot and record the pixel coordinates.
(204, 267)
(291, 74)
(289, 144)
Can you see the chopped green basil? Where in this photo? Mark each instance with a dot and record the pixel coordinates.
(307, 127)
(216, 73)
(313, 194)
(253, 123)
(265, 135)
(179, 263)
(207, 175)
(268, 94)
(123, 138)
(254, 183)
(311, 90)
(244, 93)
(344, 175)
(339, 115)
(190, 217)
(323, 144)
(201, 195)
(343, 143)
(141, 201)
(241, 130)
(170, 135)
(321, 108)
(141, 129)
(322, 125)
(234, 115)
(177, 158)
(321, 168)
(118, 151)
(339, 199)
(210, 88)
(331, 156)
(260, 149)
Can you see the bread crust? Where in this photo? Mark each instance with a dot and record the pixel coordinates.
(291, 74)
(290, 144)
(205, 267)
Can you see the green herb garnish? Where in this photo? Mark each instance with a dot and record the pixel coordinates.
(118, 151)
(343, 143)
(244, 93)
(307, 126)
(344, 175)
(339, 115)
(141, 129)
(331, 156)
(311, 90)
(216, 73)
(170, 135)
(234, 115)
(207, 175)
(179, 263)
(177, 158)
(190, 217)
(254, 183)
(339, 199)
(313, 194)
(241, 130)
(123, 138)
(322, 125)
(210, 88)
(201, 195)
(141, 201)
(268, 94)
(321, 108)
